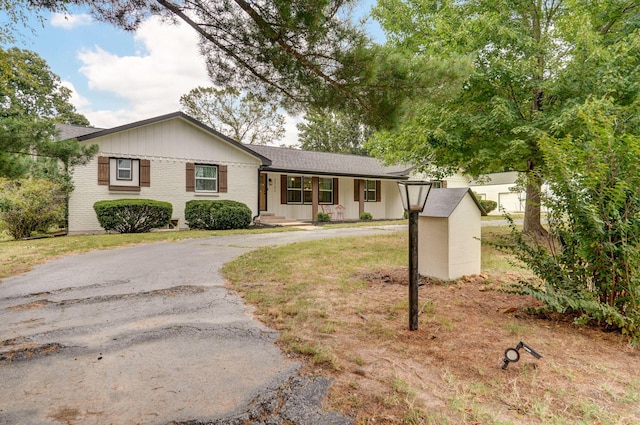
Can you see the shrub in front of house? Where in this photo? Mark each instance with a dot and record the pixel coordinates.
(488, 205)
(323, 217)
(366, 216)
(132, 215)
(30, 205)
(217, 215)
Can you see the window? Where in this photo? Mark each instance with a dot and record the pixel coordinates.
(325, 187)
(124, 174)
(123, 169)
(370, 191)
(206, 178)
(299, 190)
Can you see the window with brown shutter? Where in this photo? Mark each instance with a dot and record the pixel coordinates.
(191, 177)
(222, 178)
(357, 184)
(103, 170)
(145, 173)
(283, 188)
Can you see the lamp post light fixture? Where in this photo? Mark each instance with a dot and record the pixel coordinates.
(413, 194)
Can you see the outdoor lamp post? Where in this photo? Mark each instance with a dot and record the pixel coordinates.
(414, 196)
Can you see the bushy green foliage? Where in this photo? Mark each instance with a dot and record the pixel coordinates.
(323, 217)
(488, 205)
(590, 266)
(30, 205)
(132, 215)
(366, 216)
(217, 215)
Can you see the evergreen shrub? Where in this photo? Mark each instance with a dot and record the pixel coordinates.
(217, 214)
(132, 215)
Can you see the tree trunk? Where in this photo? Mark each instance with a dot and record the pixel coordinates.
(532, 220)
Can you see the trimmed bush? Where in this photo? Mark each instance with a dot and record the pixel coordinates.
(30, 205)
(133, 215)
(323, 217)
(217, 215)
(366, 216)
(488, 205)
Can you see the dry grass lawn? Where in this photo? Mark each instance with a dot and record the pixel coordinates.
(341, 307)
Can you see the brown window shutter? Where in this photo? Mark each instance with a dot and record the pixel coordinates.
(356, 190)
(378, 192)
(103, 170)
(444, 184)
(336, 201)
(222, 178)
(283, 188)
(145, 173)
(191, 177)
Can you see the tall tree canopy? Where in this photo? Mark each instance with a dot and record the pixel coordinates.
(327, 130)
(32, 100)
(533, 61)
(301, 52)
(246, 118)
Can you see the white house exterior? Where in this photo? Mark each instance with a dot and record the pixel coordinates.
(299, 184)
(175, 158)
(154, 160)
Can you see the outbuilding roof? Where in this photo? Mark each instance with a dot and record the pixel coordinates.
(442, 202)
(325, 163)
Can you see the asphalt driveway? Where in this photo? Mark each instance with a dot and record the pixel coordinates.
(147, 335)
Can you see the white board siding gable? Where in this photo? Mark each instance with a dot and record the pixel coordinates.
(167, 146)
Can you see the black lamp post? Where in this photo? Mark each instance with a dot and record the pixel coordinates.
(414, 196)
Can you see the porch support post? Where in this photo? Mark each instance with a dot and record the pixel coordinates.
(314, 198)
(361, 198)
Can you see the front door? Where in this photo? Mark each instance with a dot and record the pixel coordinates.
(262, 201)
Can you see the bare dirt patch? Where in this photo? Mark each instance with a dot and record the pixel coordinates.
(450, 369)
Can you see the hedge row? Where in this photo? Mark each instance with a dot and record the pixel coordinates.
(217, 215)
(142, 215)
(132, 215)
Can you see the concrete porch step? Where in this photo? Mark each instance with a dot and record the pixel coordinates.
(276, 220)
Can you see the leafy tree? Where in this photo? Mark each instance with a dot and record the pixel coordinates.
(299, 52)
(32, 100)
(30, 205)
(326, 130)
(246, 118)
(532, 61)
(590, 265)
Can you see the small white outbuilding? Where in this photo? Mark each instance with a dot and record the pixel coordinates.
(449, 244)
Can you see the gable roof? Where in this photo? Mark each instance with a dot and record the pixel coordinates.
(175, 115)
(68, 131)
(442, 202)
(290, 160)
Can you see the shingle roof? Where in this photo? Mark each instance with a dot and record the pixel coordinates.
(104, 132)
(325, 163)
(67, 131)
(442, 202)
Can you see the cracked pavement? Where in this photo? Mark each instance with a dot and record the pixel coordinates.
(149, 335)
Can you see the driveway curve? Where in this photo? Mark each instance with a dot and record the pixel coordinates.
(142, 335)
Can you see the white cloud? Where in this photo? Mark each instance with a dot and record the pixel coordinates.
(291, 131)
(149, 83)
(76, 99)
(68, 22)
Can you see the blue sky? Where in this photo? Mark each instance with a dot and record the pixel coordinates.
(119, 77)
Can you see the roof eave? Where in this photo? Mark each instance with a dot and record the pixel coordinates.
(265, 161)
